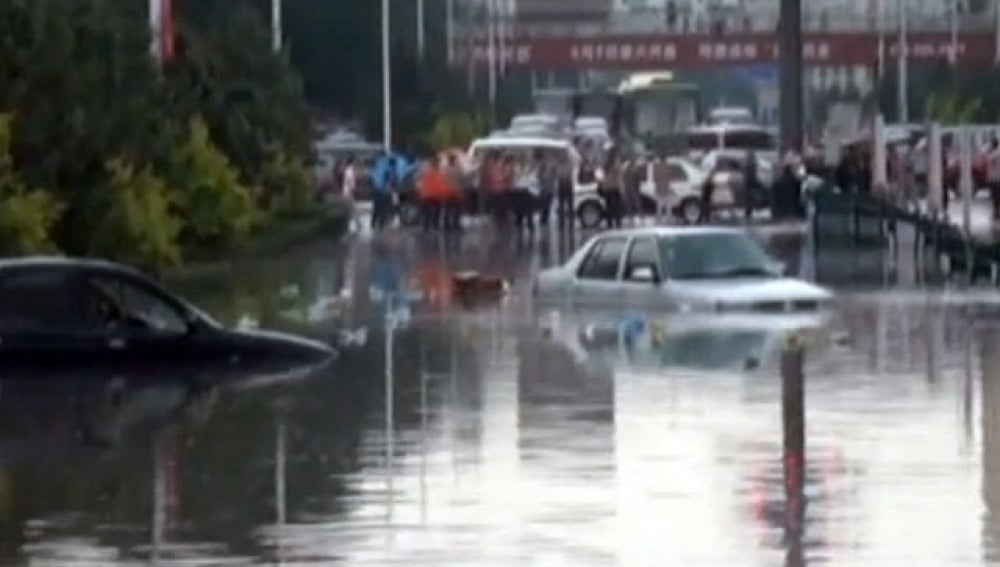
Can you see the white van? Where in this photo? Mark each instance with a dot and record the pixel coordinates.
(587, 203)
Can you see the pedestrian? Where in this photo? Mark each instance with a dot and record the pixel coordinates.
(633, 175)
(708, 195)
(611, 190)
(455, 197)
(752, 186)
(525, 193)
(662, 179)
(993, 176)
(506, 196)
(431, 189)
(348, 190)
(548, 185)
(382, 181)
(564, 192)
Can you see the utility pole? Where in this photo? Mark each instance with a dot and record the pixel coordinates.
(491, 30)
(903, 53)
(791, 96)
(449, 29)
(421, 31)
(953, 48)
(996, 31)
(276, 24)
(386, 80)
(880, 24)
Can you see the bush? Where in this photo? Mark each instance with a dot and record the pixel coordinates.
(139, 224)
(26, 222)
(27, 216)
(287, 183)
(217, 208)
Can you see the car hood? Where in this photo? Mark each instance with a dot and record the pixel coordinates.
(748, 292)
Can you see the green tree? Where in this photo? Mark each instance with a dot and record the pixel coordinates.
(27, 216)
(140, 222)
(219, 210)
(287, 182)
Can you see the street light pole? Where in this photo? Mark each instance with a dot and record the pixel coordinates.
(491, 31)
(996, 31)
(386, 80)
(791, 96)
(421, 30)
(880, 23)
(903, 50)
(449, 29)
(953, 48)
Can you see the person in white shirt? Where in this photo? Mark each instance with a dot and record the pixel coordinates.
(348, 188)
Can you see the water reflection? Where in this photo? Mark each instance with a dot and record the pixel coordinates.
(493, 435)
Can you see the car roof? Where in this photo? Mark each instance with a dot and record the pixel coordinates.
(68, 262)
(522, 142)
(671, 231)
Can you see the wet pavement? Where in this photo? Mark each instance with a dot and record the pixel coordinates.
(512, 437)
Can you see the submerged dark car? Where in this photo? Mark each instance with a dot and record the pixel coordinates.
(60, 316)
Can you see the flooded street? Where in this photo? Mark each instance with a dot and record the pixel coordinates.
(502, 435)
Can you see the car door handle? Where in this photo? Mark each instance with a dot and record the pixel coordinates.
(116, 343)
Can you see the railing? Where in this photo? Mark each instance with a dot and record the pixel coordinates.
(642, 22)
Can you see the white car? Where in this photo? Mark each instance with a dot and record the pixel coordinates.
(689, 269)
(684, 200)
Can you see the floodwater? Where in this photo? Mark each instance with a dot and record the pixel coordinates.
(506, 441)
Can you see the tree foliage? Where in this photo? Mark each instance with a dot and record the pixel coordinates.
(217, 207)
(140, 223)
(98, 125)
(26, 215)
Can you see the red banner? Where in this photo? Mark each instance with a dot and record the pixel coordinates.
(693, 51)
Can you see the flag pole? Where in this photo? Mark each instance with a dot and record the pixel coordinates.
(155, 30)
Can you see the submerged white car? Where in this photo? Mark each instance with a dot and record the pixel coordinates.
(684, 268)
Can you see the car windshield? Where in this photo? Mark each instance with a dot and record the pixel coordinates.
(720, 255)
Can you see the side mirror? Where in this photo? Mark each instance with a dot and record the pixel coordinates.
(645, 274)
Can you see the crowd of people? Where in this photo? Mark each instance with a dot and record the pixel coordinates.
(524, 189)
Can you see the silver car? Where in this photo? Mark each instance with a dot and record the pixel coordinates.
(684, 268)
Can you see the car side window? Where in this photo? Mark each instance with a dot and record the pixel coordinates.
(39, 300)
(642, 253)
(119, 303)
(603, 260)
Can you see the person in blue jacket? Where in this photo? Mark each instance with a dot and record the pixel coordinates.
(383, 185)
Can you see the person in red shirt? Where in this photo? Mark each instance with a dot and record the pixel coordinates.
(430, 194)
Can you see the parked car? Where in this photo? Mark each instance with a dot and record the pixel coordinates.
(62, 315)
(687, 268)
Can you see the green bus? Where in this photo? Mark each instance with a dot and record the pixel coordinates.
(652, 107)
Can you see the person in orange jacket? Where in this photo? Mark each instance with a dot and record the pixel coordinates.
(434, 192)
